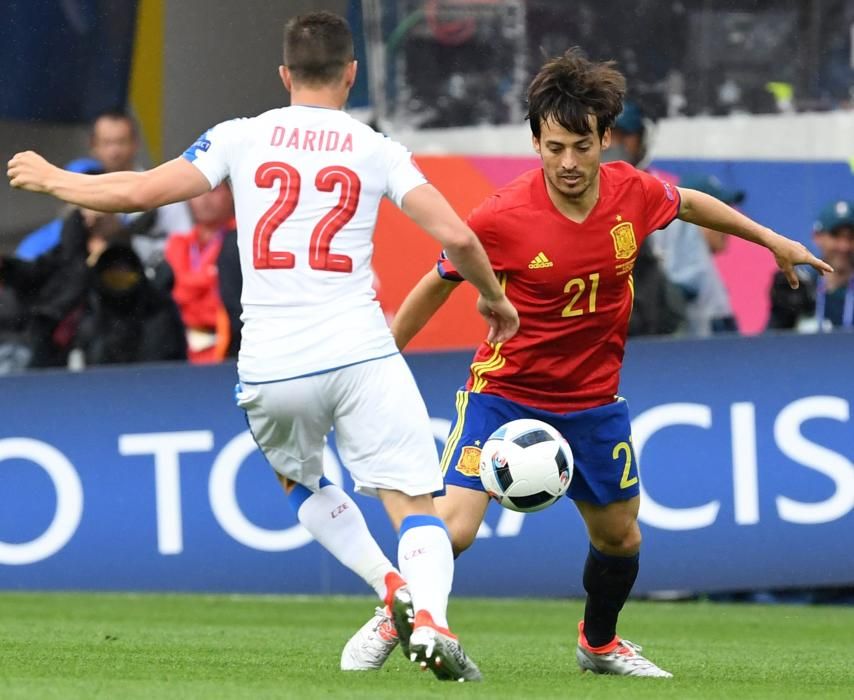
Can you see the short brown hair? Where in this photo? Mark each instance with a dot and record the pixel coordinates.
(318, 46)
(114, 115)
(570, 88)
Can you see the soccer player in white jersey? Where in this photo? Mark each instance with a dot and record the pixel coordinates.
(316, 352)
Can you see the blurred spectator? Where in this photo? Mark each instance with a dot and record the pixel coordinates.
(193, 257)
(821, 303)
(127, 318)
(52, 288)
(114, 145)
(629, 137)
(659, 307)
(114, 142)
(686, 253)
(46, 237)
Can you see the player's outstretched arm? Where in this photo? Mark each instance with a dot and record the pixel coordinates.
(425, 299)
(125, 191)
(704, 210)
(430, 210)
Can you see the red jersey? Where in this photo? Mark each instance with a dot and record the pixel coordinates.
(196, 289)
(571, 283)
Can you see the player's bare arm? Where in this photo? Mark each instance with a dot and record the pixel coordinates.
(425, 299)
(704, 210)
(430, 210)
(126, 191)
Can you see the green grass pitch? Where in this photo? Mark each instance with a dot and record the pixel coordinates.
(197, 646)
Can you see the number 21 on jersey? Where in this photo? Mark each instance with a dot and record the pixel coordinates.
(576, 287)
(289, 182)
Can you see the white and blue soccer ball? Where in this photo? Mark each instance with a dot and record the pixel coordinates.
(526, 465)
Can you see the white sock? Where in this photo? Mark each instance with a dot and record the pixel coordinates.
(427, 563)
(335, 521)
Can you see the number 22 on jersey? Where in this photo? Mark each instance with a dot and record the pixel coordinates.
(288, 178)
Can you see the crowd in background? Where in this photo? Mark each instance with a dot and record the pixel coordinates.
(678, 288)
(91, 288)
(710, 57)
(88, 288)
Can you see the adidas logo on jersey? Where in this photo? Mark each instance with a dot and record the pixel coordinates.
(540, 261)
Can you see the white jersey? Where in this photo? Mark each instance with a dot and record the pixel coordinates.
(307, 184)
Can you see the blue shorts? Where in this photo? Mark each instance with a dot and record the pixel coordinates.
(605, 466)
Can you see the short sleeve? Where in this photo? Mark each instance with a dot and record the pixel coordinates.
(210, 152)
(662, 201)
(403, 175)
(482, 222)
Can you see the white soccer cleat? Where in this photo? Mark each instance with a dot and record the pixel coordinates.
(440, 651)
(368, 649)
(621, 659)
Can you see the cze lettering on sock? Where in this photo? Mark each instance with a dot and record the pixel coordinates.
(409, 556)
(340, 509)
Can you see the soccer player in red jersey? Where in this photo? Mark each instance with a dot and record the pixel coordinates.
(563, 240)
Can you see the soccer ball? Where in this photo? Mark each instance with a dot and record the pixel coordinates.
(526, 465)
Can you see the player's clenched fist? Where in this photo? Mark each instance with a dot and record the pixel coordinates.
(29, 171)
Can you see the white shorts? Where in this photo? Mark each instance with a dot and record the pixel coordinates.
(381, 424)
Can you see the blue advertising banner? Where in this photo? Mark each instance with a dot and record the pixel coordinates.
(145, 478)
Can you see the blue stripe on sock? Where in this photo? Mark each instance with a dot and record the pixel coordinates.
(299, 494)
(612, 560)
(411, 521)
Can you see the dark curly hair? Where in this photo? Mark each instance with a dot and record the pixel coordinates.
(569, 88)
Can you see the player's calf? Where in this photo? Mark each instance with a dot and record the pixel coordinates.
(462, 510)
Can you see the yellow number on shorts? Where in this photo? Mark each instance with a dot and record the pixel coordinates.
(625, 482)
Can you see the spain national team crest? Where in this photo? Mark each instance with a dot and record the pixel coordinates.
(469, 463)
(625, 245)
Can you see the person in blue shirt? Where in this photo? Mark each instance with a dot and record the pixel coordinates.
(46, 237)
(821, 303)
(686, 252)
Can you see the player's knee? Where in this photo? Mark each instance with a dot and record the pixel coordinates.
(619, 542)
(632, 541)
